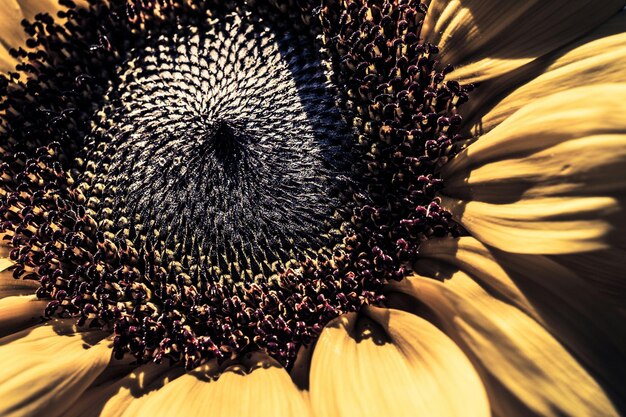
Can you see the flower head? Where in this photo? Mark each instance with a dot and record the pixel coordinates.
(357, 199)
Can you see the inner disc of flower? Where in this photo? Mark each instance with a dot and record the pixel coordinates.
(222, 139)
(180, 171)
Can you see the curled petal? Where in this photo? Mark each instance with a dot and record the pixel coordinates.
(391, 363)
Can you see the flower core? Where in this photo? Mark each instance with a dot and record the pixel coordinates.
(221, 139)
(207, 178)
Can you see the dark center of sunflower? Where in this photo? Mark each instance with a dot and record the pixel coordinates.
(181, 171)
(223, 139)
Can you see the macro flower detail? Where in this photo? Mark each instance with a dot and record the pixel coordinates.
(312, 208)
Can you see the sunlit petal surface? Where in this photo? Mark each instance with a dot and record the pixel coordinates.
(549, 179)
(418, 369)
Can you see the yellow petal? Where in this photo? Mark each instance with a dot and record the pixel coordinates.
(5, 263)
(46, 368)
(548, 180)
(12, 33)
(114, 398)
(596, 59)
(560, 294)
(488, 38)
(265, 390)
(10, 286)
(32, 7)
(19, 312)
(441, 258)
(546, 226)
(391, 363)
(527, 372)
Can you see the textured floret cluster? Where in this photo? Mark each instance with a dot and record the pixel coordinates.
(128, 138)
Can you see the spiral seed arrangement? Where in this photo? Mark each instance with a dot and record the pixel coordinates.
(208, 178)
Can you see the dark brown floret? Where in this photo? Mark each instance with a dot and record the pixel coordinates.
(84, 118)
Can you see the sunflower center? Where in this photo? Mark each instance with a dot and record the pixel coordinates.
(224, 138)
(227, 141)
(181, 171)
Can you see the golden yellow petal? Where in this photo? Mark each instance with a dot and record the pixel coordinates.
(7, 62)
(488, 38)
(574, 114)
(12, 33)
(548, 180)
(442, 257)
(265, 390)
(46, 368)
(578, 167)
(10, 286)
(391, 363)
(527, 372)
(596, 59)
(540, 225)
(113, 398)
(5, 263)
(560, 294)
(32, 7)
(19, 312)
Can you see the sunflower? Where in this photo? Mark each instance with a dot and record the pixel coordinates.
(325, 208)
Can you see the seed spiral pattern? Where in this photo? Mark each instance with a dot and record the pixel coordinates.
(207, 178)
(227, 139)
